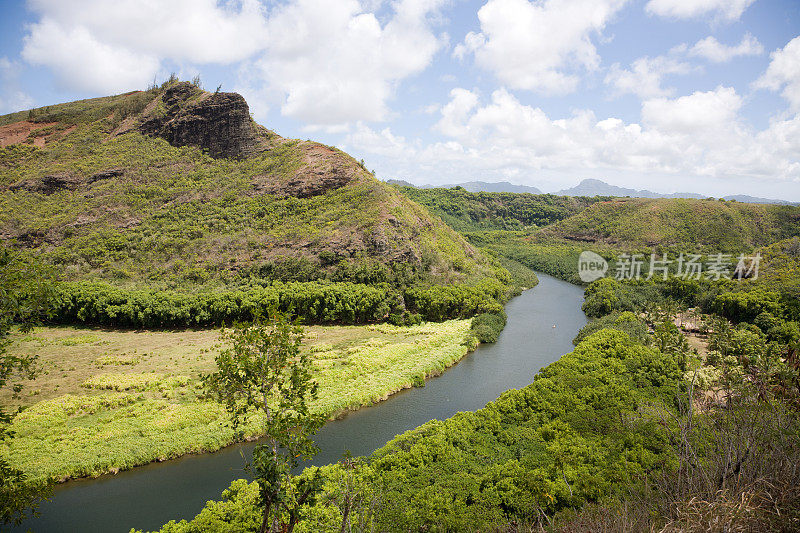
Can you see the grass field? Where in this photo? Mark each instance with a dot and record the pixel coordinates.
(110, 400)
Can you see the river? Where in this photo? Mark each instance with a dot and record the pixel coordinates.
(149, 496)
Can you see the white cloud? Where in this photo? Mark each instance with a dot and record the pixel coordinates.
(82, 63)
(713, 50)
(784, 73)
(11, 97)
(332, 63)
(538, 45)
(645, 76)
(325, 63)
(382, 142)
(197, 31)
(701, 111)
(699, 134)
(101, 46)
(728, 10)
(456, 112)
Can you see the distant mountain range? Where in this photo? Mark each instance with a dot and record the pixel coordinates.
(475, 186)
(593, 187)
(588, 187)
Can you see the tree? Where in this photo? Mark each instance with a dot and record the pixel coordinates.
(265, 376)
(25, 292)
(356, 493)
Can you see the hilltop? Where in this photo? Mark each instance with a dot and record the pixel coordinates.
(595, 187)
(177, 187)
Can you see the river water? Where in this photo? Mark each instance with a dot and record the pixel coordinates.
(149, 496)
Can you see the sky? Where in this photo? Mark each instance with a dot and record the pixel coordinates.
(667, 95)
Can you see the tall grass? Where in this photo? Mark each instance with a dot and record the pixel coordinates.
(133, 419)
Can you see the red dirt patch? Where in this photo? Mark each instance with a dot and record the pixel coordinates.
(18, 131)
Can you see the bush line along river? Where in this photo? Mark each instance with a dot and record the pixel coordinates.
(147, 497)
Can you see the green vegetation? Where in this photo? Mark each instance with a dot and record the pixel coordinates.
(24, 292)
(264, 373)
(552, 445)
(634, 430)
(313, 302)
(475, 211)
(547, 233)
(679, 224)
(85, 111)
(103, 202)
(84, 418)
(660, 426)
(627, 322)
(487, 326)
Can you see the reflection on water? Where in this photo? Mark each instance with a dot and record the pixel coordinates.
(149, 496)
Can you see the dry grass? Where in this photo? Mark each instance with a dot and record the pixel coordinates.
(68, 356)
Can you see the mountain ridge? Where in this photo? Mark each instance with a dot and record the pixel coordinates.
(587, 187)
(474, 186)
(176, 186)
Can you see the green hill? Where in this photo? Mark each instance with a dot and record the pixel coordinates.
(678, 223)
(176, 187)
(780, 267)
(548, 232)
(479, 211)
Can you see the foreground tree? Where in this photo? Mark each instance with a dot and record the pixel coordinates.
(265, 377)
(25, 290)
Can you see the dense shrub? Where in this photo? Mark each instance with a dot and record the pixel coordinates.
(626, 322)
(487, 326)
(96, 303)
(312, 302)
(746, 306)
(456, 301)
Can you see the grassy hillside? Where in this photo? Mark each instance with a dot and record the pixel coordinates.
(679, 223)
(479, 211)
(96, 197)
(780, 267)
(548, 233)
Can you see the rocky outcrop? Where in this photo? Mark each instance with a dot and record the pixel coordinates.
(106, 174)
(308, 182)
(48, 184)
(51, 183)
(323, 169)
(219, 123)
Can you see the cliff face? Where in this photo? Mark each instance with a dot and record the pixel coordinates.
(219, 122)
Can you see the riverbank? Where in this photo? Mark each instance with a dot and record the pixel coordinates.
(150, 496)
(111, 400)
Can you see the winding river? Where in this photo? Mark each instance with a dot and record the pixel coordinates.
(541, 325)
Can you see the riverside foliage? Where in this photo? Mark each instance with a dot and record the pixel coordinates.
(553, 445)
(609, 434)
(126, 416)
(312, 302)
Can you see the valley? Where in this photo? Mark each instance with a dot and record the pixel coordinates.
(440, 335)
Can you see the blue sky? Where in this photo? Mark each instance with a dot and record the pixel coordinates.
(668, 95)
